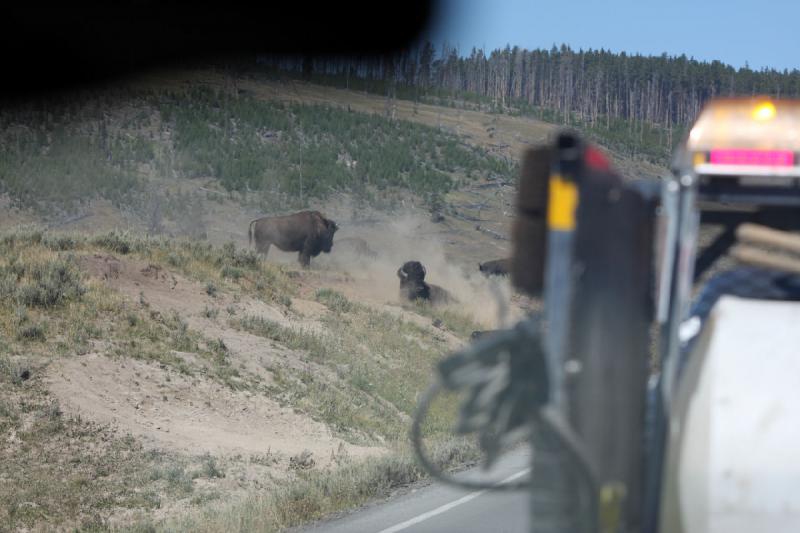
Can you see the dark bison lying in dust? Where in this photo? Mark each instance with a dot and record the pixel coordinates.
(307, 233)
(497, 267)
(357, 246)
(413, 285)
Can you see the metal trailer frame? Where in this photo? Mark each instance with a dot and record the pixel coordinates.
(689, 200)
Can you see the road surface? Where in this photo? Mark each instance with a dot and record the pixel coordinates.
(438, 508)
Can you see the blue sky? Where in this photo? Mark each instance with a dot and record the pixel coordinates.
(762, 33)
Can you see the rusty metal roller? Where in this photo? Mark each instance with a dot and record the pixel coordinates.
(529, 232)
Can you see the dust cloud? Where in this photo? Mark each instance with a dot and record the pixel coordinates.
(405, 238)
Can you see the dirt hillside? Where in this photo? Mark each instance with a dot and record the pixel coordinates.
(149, 378)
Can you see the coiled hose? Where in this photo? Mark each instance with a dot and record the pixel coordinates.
(504, 377)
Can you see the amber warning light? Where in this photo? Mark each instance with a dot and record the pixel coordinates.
(756, 136)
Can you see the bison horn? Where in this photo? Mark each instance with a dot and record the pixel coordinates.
(401, 274)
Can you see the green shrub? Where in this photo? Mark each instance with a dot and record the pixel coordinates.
(211, 289)
(218, 346)
(232, 272)
(32, 332)
(41, 285)
(335, 301)
(292, 338)
(176, 260)
(15, 373)
(59, 242)
(8, 285)
(239, 258)
(176, 477)
(210, 468)
(113, 242)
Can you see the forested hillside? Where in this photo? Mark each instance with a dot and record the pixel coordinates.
(638, 104)
(111, 143)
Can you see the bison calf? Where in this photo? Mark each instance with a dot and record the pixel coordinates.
(413, 285)
(309, 233)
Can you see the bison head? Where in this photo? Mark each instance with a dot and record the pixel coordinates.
(412, 281)
(411, 271)
(326, 235)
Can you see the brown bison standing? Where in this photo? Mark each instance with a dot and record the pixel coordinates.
(413, 285)
(307, 233)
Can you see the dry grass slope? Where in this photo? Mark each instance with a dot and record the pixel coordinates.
(176, 384)
(120, 355)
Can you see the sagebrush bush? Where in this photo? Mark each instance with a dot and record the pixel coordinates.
(113, 242)
(334, 300)
(210, 469)
(176, 259)
(59, 242)
(8, 285)
(240, 258)
(31, 332)
(7, 370)
(316, 493)
(232, 272)
(295, 339)
(45, 284)
(211, 289)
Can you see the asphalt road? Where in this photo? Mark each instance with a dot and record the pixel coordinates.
(438, 508)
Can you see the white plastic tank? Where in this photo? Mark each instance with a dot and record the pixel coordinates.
(733, 457)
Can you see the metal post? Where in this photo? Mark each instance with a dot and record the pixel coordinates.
(553, 477)
(562, 204)
(677, 273)
(681, 285)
